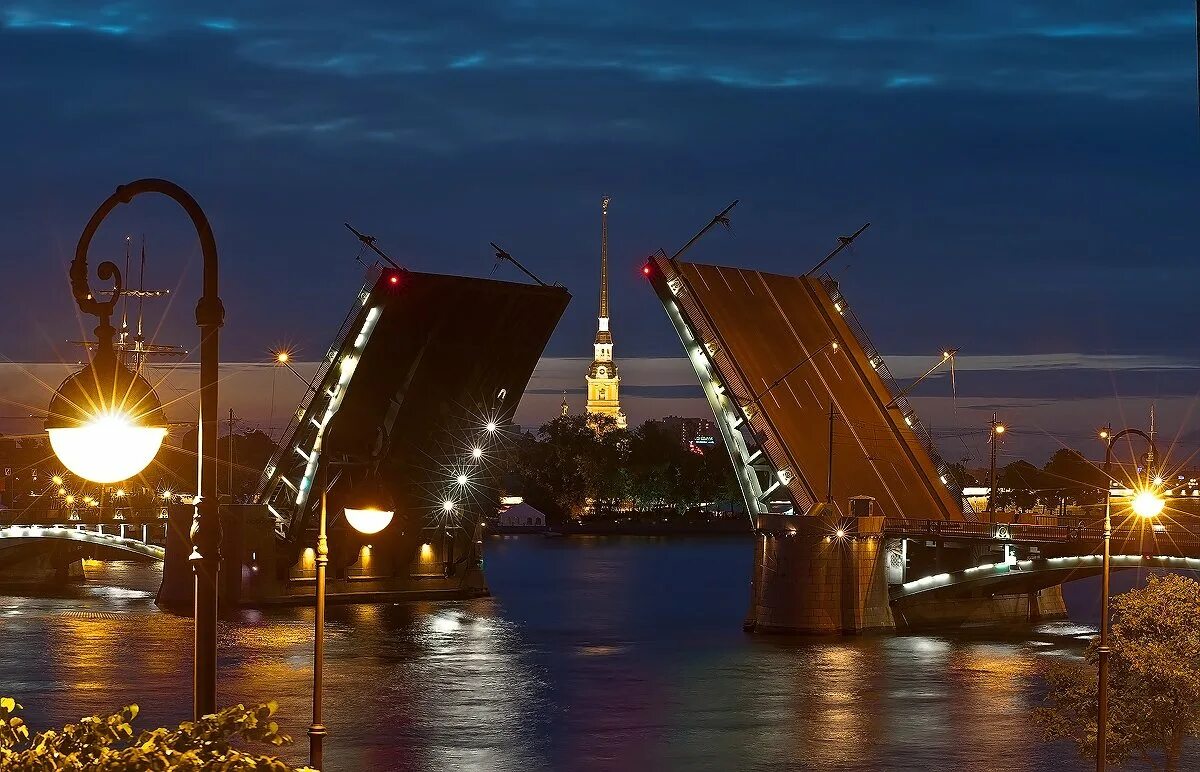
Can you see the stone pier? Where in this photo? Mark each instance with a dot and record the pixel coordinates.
(819, 574)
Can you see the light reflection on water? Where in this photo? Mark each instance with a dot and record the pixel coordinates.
(594, 654)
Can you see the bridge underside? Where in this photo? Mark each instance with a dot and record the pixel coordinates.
(50, 555)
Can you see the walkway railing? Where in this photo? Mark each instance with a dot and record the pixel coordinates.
(1180, 536)
(895, 391)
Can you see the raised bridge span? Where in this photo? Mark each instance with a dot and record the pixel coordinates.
(422, 364)
(857, 526)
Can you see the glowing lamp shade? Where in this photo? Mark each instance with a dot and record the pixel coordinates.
(369, 508)
(369, 520)
(109, 448)
(105, 423)
(1147, 504)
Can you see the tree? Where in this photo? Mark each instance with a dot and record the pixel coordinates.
(1154, 679)
(574, 460)
(108, 743)
(959, 476)
(1018, 483)
(1070, 478)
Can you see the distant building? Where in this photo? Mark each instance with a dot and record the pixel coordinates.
(697, 434)
(515, 516)
(603, 382)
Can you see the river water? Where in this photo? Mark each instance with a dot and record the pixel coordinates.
(619, 653)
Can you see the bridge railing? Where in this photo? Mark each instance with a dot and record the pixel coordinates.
(288, 438)
(1176, 536)
(738, 389)
(894, 390)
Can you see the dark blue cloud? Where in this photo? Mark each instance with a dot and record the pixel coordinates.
(1030, 168)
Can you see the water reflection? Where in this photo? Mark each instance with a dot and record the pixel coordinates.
(594, 654)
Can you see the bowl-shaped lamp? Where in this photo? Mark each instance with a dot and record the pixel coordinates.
(105, 423)
(369, 507)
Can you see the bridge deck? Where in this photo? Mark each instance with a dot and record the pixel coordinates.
(754, 327)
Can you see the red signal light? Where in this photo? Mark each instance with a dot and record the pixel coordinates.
(394, 279)
(645, 270)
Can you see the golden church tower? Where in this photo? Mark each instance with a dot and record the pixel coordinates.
(603, 383)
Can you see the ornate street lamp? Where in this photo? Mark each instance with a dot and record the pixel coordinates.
(106, 424)
(369, 509)
(1146, 503)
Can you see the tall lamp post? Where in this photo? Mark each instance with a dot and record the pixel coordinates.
(369, 509)
(997, 431)
(1146, 503)
(106, 424)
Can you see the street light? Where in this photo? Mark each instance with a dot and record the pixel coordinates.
(1146, 503)
(369, 509)
(106, 422)
(997, 432)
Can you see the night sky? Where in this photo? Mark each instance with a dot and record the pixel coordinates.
(1029, 169)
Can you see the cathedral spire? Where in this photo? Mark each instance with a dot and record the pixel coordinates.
(603, 336)
(604, 257)
(602, 379)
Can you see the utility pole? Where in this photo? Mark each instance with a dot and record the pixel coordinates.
(996, 430)
(829, 478)
(231, 420)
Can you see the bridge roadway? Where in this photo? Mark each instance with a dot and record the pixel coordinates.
(750, 329)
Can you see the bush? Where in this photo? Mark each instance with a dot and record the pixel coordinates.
(108, 744)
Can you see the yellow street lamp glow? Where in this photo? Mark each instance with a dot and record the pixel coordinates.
(447, 505)
(120, 493)
(1104, 434)
(999, 429)
(368, 506)
(1147, 504)
(476, 452)
(462, 479)
(105, 422)
(166, 495)
(110, 447)
(57, 480)
(834, 345)
(841, 533)
(62, 491)
(491, 426)
(283, 357)
(69, 499)
(369, 520)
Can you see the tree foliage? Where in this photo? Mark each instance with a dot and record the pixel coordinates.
(1018, 482)
(108, 743)
(577, 462)
(1070, 478)
(1154, 679)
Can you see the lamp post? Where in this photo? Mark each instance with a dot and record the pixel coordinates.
(368, 510)
(106, 424)
(997, 432)
(1146, 504)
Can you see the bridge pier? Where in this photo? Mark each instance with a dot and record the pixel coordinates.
(819, 574)
(1017, 608)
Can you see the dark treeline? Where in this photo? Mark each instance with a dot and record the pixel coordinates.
(1066, 479)
(584, 466)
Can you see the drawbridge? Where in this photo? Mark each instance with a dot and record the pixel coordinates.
(780, 359)
(417, 389)
(857, 524)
